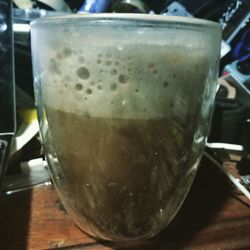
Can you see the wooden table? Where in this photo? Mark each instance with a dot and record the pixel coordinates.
(214, 216)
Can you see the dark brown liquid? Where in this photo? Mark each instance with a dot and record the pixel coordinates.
(118, 173)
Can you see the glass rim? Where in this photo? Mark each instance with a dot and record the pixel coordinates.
(129, 17)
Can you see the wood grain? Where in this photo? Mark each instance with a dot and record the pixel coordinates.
(214, 216)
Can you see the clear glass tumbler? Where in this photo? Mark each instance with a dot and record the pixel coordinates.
(124, 105)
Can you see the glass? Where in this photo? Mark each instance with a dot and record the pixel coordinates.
(124, 105)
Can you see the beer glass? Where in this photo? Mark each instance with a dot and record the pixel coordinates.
(124, 104)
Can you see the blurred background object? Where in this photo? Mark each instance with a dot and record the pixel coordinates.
(7, 95)
(231, 119)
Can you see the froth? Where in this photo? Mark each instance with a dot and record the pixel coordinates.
(141, 81)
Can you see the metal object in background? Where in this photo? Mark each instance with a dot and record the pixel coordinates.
(95, 6)
(176, 9)
(240, 71)
(33, 172)
(57, 5)
(7, 96)
(130, 6)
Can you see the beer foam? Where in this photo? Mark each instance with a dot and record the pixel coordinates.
(139, 81)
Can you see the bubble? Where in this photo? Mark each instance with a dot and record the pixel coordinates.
(53, 68)
(101, 71)
(92, 83)
(99, 87)
(89, 91)
(85, 98)
(108, 63)
(99, 61)
(67, 52)
(165, 84)
(137, 90)
(113, 86)
(151, 65)
(123, 78)
(81, 59)
(113, 72)
(82, 73)
(78, 86)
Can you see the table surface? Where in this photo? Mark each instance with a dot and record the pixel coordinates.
(213, 216)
